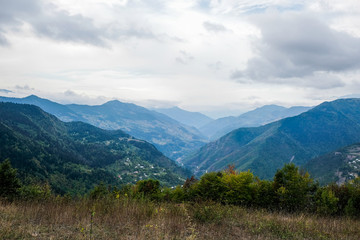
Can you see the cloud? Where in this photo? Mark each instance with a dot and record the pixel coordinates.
(3, 40)
(295, 46)
(25, 87)
(214, 27)
(47, 20)
(184, 57)
(216, 65)
(5, 91)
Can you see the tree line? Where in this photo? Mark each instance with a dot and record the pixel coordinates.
(291, 190)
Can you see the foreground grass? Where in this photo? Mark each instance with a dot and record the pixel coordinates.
(140, 219)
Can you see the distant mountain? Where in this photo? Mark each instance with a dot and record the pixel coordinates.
(259, 116)
(194, 119)
(298, 139)
(74, 156)
(338, 166)
(169, 136)
(355, 95)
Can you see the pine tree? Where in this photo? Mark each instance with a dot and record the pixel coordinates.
(9, 183)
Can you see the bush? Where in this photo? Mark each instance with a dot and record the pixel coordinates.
(35, 192)
(99, 191)
(327, 202)
(209, 213)
(149, 188)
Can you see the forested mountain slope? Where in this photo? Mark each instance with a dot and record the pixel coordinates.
(73, 156)
(298, 139)
(169, 136)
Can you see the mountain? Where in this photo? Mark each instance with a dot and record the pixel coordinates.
(194, 119)
(169, 136)
(254, 118)
(73, 156)
(298, 139)
(338, 166)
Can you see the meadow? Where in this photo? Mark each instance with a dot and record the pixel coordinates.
(122, 217)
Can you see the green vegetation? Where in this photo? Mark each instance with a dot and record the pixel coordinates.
(298, 139)
(228, 205)
(9, 183)
(74, 157)
(290, 191)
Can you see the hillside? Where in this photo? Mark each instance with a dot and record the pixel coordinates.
(194, 119)
(169, 136)
(74, 156)
(259, 116)
(298, 139)
(338, 166)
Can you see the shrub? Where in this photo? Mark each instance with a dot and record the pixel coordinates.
(99, 191)
(35, 192)
(149, 188)
(327, 202)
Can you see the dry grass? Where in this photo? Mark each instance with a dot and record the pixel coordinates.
(140, 219)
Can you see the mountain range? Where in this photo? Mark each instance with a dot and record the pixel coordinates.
(172, 138)
(194, 119)
(257, 117)
(73, 156)
(297, 139)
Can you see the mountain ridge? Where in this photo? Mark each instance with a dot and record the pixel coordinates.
(169, 136)
(194, 119)
(254, 118)
(298, 139)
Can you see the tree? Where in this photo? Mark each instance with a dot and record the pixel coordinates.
(211, 187)
(238, 187)
(9, 183)
(353, 205)
(149, 188)
(99, 191)
(294, 190)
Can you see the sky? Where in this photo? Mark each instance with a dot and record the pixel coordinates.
(219, 57)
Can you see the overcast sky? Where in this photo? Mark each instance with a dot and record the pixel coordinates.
(215, 56)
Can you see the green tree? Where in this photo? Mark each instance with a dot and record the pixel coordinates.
(294, 190)
(99, 191)
(149, 188)
(264, 194)
(238, 187)
(353, 205)
(211, 187)
(9, 183)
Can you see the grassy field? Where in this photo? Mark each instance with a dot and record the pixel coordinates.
(124, 218)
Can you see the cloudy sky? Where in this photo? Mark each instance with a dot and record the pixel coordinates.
(215, 56)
